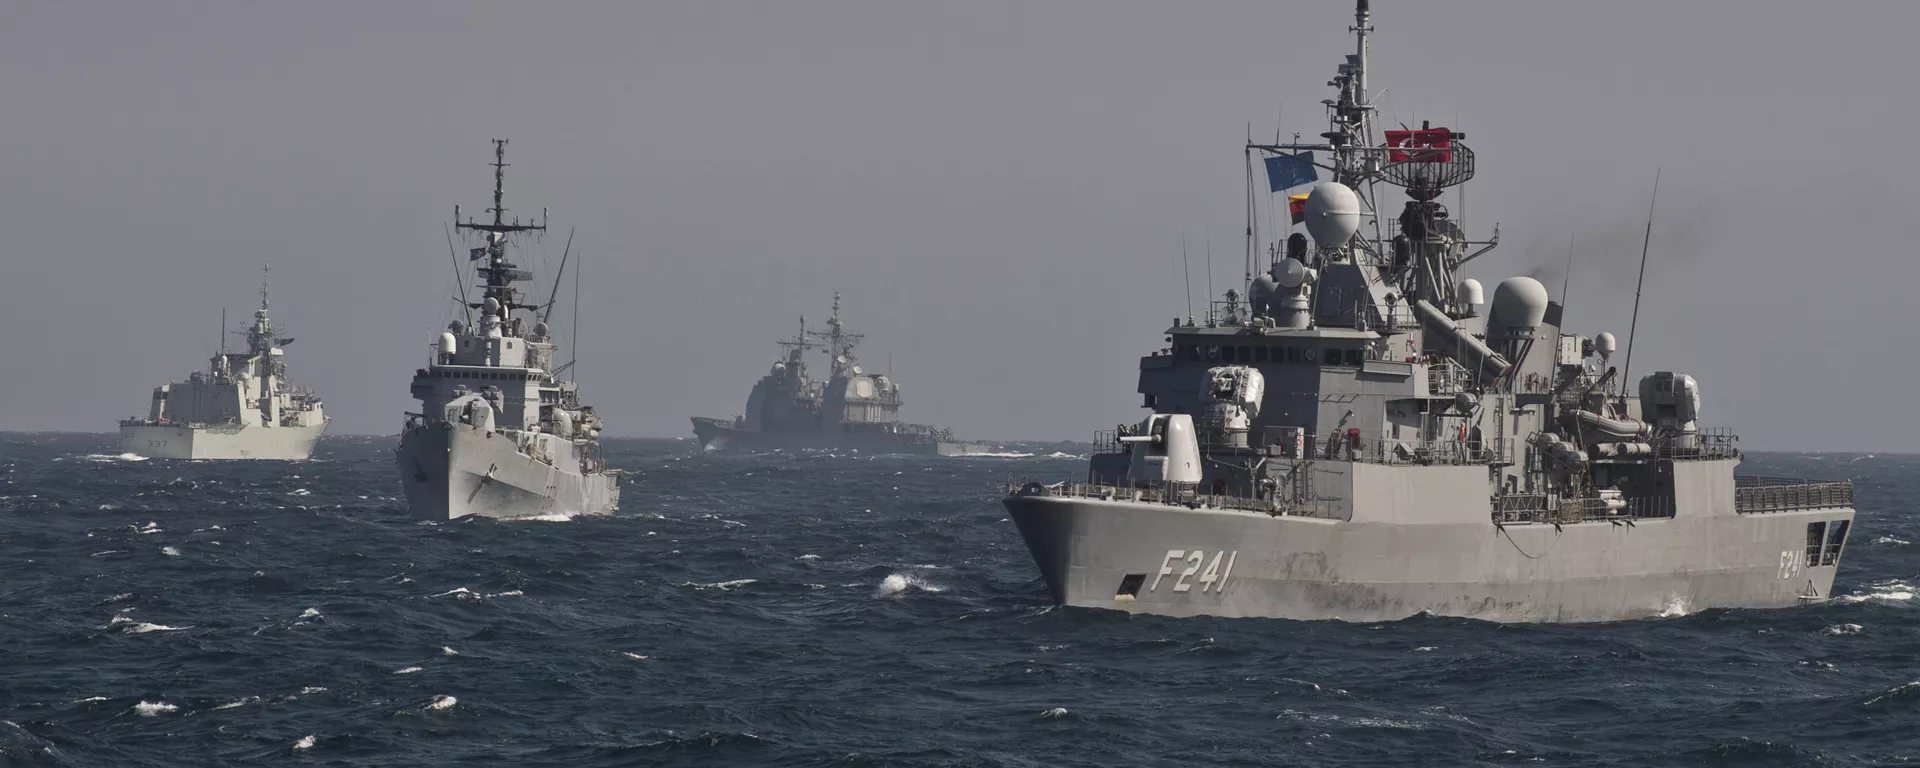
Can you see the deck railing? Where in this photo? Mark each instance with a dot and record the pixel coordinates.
(1758, 495)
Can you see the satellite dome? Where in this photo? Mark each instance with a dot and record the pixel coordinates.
(492, 305)
(540, 330)
(856, 370)
(1518, 302)
(1605, 344)
(1333, 215)
(1471, 293)
(457, 327)
(779, 368)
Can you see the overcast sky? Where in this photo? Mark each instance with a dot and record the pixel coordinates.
(999, 189)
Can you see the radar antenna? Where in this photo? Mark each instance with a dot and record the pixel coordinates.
(500, 274)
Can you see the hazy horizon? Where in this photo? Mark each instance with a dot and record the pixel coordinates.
(999, 190)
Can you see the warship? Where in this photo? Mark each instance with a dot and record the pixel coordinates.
(500, 432)
(852, 410)
(241, 407)
(1376, 441)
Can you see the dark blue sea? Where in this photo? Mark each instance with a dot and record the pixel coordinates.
(810, 609)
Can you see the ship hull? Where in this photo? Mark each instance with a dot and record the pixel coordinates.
(452, 471)
(721, 436)
(180, 441)
(1089, 550)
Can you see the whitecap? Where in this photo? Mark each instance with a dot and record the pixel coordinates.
(445, 651)
(154, 708)
(808, 557)
(557, 517)
(170, 551)
(1426, 648)
(898, 584)
(114, 457)
(306, 742)
(312, 689)
(408, 670)
(1676, 606)
(238, 703)
(1056, 712)
(508, 593)
(299, 492)
(310, 613)
(442, 702)
(131, 626)
(634, 656)
(1889, 591)
(106, 552)
(1894, 691)
(91, 699)
(1891, 540)
(1844, 629)
(459, 593)
(720, 585)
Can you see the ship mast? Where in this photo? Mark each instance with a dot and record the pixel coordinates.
(499, 273)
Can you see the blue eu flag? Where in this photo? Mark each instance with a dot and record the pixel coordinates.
(1289, 171)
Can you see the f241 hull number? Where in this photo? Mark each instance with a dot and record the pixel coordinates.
(1219, 568)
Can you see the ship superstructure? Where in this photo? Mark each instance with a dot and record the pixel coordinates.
(242, 407)
(850, 409)
(1361, 435)
(501, 432)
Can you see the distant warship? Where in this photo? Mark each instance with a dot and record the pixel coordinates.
(850, 410)
(242, 407)
(499, 432)
(1373, 445)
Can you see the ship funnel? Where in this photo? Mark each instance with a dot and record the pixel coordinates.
(1333, 215)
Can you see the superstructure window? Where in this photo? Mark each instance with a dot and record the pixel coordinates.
(1353, 357)
(1816, 536)
(1260, 354)
(1226, 354)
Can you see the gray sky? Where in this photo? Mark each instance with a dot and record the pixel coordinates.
(999, 189)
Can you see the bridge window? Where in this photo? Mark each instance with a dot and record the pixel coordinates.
(1293, 354)
(1353, 357)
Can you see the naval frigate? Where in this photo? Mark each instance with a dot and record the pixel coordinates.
(500, 432)
(1354, 438)
(242, 407)
(850, 410)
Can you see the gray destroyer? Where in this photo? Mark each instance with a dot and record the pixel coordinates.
(1360, 436)
(500, 433)
(241, 407)
(850, 410)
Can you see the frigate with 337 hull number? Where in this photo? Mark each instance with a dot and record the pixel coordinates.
(500, 433)
(1359, 436)
(242, 407)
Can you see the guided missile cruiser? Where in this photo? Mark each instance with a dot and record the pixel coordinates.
(241, 407)
(500, 433)
(1357, 433)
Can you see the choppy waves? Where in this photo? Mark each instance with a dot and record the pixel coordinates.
(812, 609)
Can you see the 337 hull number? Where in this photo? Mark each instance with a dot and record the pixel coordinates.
(1218, 568)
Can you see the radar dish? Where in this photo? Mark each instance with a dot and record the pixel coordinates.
(1431, 169)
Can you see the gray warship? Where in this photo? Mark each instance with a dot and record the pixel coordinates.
(852, 410)
(1376, 442)
(241, 407)
(500, 433)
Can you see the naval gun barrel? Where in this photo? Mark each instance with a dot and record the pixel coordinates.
(1461, 345)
